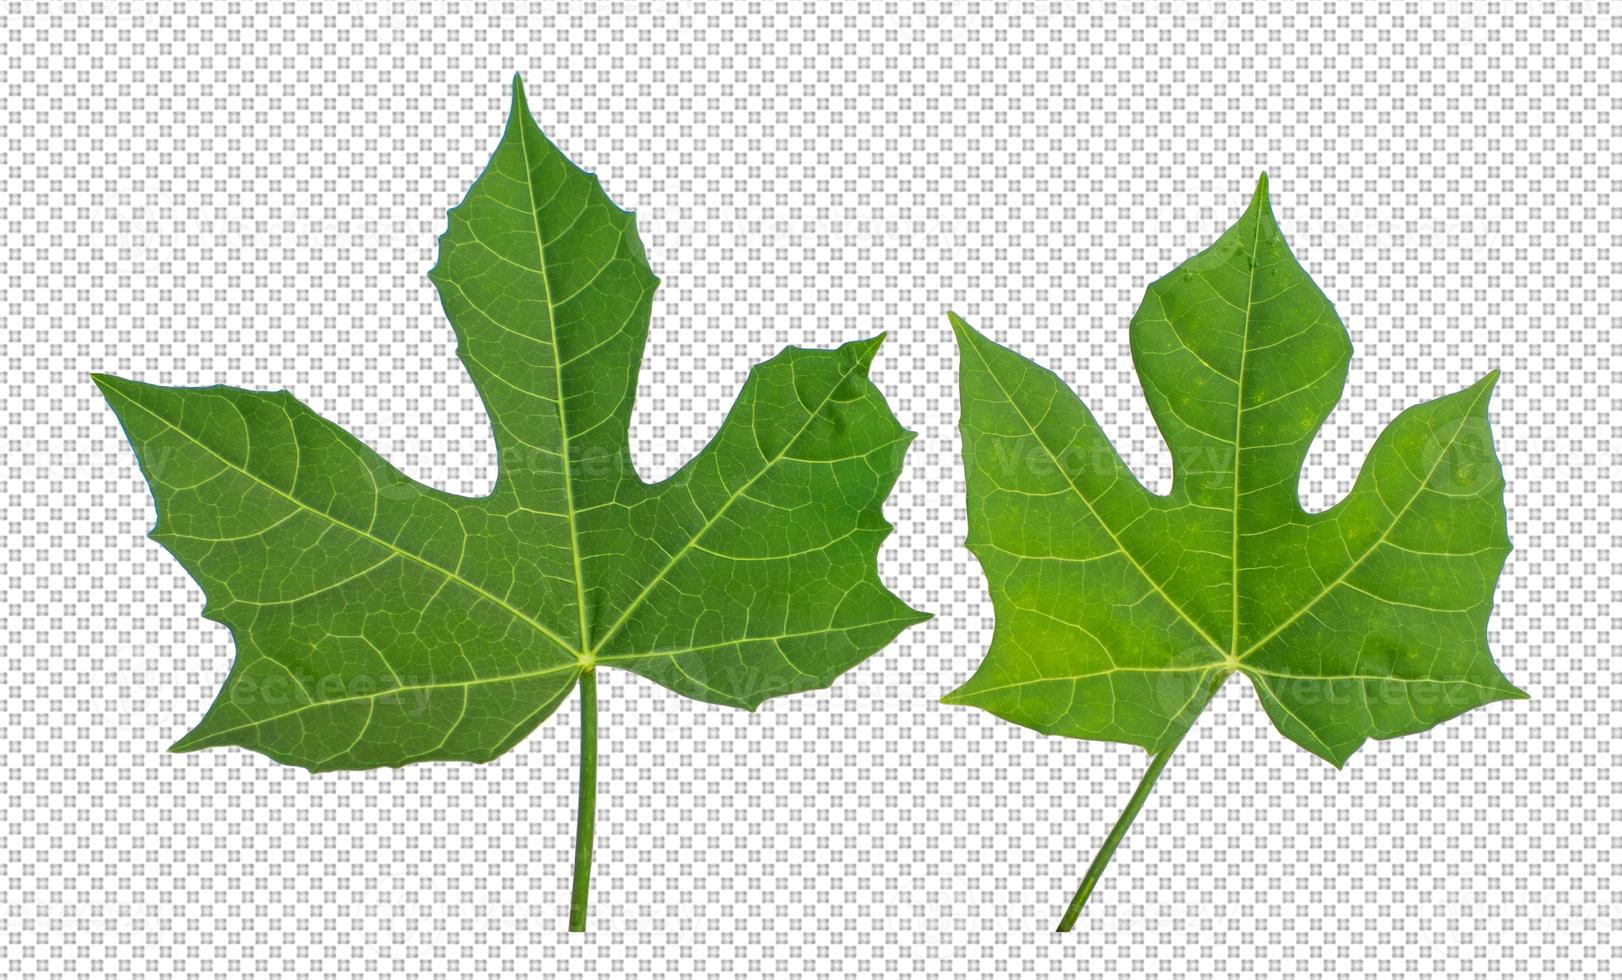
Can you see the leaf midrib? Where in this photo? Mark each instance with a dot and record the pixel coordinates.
(1239, 426)
(733, 498)
(1422, 486)
(1059, 467)
(562, 404)
(403, 689)
(449, 574)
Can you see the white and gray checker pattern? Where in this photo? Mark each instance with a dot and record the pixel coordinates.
(249, 194)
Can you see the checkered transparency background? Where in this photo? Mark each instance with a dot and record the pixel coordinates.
(249, 195)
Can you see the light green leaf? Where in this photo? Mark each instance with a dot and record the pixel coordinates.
(1120, 613)
(380, 622)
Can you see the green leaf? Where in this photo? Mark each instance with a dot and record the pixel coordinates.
(1119, 612)
(381, 622)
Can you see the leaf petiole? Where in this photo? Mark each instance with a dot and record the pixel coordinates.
(1122, 823)
(586, 816)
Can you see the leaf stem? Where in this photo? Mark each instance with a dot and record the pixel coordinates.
(586, 816)
(1102, 858)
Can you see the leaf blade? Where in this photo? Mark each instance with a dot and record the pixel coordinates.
(1446, 594)
(1242, 358)
(830, 465)
(233, 540)
(379, 621)
(1057, 536)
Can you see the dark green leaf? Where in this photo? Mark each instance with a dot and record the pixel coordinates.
(380, 622)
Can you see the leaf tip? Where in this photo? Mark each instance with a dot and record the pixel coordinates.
(960, 328)
(185, 743)
(865, 350)
(1260, 200)
(520, 102)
